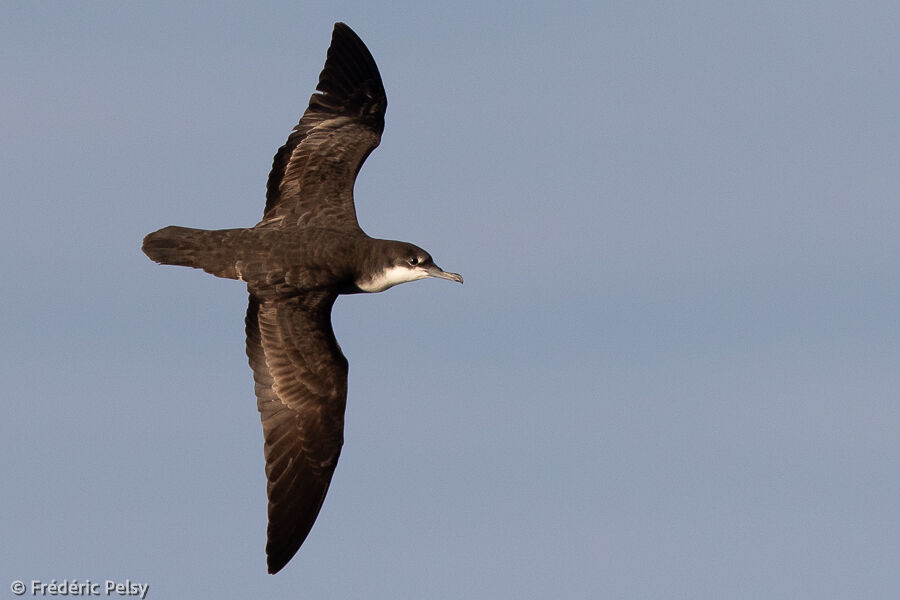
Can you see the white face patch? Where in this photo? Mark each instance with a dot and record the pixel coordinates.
(391, 277)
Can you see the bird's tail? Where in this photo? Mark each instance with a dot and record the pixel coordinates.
(212, 251)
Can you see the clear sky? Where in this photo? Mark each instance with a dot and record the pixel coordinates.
(673, 370)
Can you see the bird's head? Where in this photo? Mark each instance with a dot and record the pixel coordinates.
(399, 262)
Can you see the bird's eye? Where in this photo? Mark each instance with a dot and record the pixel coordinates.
(413, 261)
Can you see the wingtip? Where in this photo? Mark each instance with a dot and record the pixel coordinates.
(342, 30)
(277, 561)
(350, 82)
(341, 26)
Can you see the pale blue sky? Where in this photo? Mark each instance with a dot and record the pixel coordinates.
(674, 368)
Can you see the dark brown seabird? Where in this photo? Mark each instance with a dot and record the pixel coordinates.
(307, 250)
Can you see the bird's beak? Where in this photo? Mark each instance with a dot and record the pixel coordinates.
(435, 271)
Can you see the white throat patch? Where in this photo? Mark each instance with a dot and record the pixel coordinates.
(389, 278)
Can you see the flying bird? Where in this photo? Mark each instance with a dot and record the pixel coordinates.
(307, 249)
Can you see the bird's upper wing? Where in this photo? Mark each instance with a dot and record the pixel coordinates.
(313, 173)
(301, 391)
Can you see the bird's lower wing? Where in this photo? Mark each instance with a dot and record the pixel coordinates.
(301, 390)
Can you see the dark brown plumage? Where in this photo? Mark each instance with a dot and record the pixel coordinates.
(307, 250)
